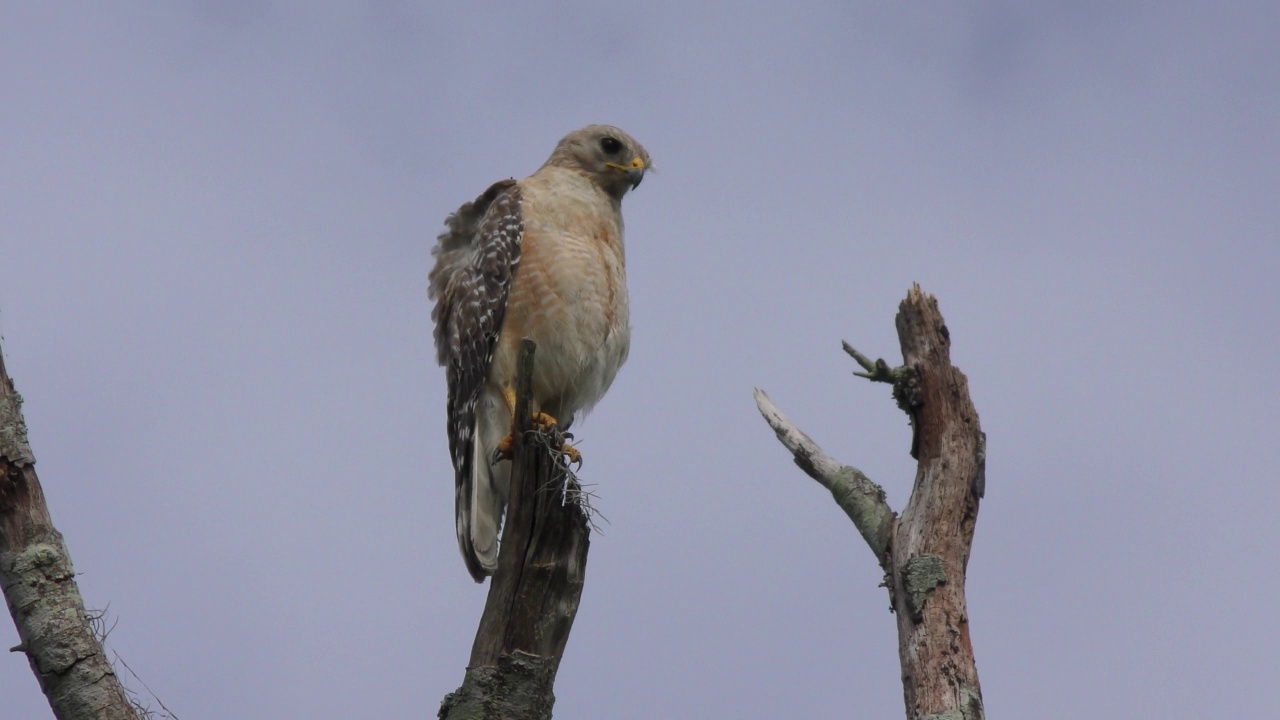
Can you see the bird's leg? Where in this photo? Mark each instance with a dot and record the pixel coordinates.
(542, 422)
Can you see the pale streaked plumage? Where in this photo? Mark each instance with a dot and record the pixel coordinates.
(540, 258)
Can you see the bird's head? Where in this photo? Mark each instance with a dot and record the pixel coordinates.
(606, 154)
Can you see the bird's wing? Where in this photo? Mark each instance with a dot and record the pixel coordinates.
(475, 262)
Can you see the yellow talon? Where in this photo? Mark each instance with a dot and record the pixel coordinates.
(542, 422)
(506, 449)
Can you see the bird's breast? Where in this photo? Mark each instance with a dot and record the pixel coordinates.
(569, 295)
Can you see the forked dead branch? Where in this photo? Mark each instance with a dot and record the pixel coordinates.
(924, 552)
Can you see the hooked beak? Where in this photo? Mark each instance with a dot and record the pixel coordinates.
(634, 171)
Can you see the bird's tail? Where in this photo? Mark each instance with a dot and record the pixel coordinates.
(481, 501)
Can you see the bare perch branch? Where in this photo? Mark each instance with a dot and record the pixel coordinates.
(40, 588)
(860, 498)
(534, 595)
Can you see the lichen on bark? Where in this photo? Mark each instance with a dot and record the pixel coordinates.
(519, 686)
(920, 575)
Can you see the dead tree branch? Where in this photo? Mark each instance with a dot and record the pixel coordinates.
(534, 594)
(860, 498)
(40, 588)
(925, 551)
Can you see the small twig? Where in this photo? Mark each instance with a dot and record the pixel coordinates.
(905, 382)
(876, 370)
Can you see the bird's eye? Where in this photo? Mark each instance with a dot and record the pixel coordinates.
(610, 145)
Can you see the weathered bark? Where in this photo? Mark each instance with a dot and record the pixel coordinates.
(39, 585)
(925, 552)
(534, 594)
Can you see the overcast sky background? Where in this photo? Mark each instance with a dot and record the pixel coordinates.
(215, 228)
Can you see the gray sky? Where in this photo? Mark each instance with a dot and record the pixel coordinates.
(215, 225)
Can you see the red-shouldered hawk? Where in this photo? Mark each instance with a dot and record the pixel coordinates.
(540, 258)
